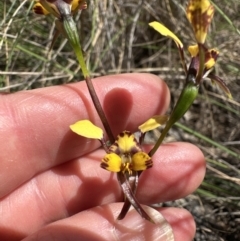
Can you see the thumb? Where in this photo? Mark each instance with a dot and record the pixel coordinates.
(101, 224)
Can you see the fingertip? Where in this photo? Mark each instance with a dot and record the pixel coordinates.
(178, 169)
(182, 223)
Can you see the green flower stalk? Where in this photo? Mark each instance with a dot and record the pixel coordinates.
(64, 10)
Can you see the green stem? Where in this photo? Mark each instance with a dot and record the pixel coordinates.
(79, 54)
(160, 139)
(72, 35)
(70, 30)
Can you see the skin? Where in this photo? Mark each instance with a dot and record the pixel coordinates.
(51, 185)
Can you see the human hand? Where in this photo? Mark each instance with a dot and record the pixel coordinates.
(51, 184)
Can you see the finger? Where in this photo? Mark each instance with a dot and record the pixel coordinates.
(100, 224)
(182, 223)
(178, 169)
(34, 125)
(81, 184)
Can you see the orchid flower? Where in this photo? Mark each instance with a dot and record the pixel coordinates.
(199, 14)
(203, 59)
(56, 7)
(63, 11)
(124, 157)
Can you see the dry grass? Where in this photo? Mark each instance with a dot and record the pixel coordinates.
(116, 38)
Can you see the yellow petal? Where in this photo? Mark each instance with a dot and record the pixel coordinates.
(51, 7)
(141, 161)
(39, 9)
(153, 123)
(78, 4)
(166, 32)
(125, 143)
(200, 14)
(210, 63)
(111, 162)
(87, 129)
(210, 58)
(193, 50)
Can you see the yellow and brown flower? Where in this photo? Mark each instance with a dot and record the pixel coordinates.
(203, 60)
(58, 7)
(126, 155)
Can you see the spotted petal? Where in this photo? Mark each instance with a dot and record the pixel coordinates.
(200, 14)
(52, 6)
(125, 143)
(141, 161)
(58, 7)
(87, 129)
(39, 9)
(211, 56)
(111, 162)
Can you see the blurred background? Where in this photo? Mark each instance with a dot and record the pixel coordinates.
(116, 38)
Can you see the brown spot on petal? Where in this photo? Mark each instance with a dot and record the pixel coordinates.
(104, 165)
(200, 14)
(38, 9)
(149, 163)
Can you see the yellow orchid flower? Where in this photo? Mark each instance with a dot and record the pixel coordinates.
(199, 14)
(64, 10)
(203, 60)
(124, 157)
(52, 7)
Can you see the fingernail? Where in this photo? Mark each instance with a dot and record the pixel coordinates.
(133, 226)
